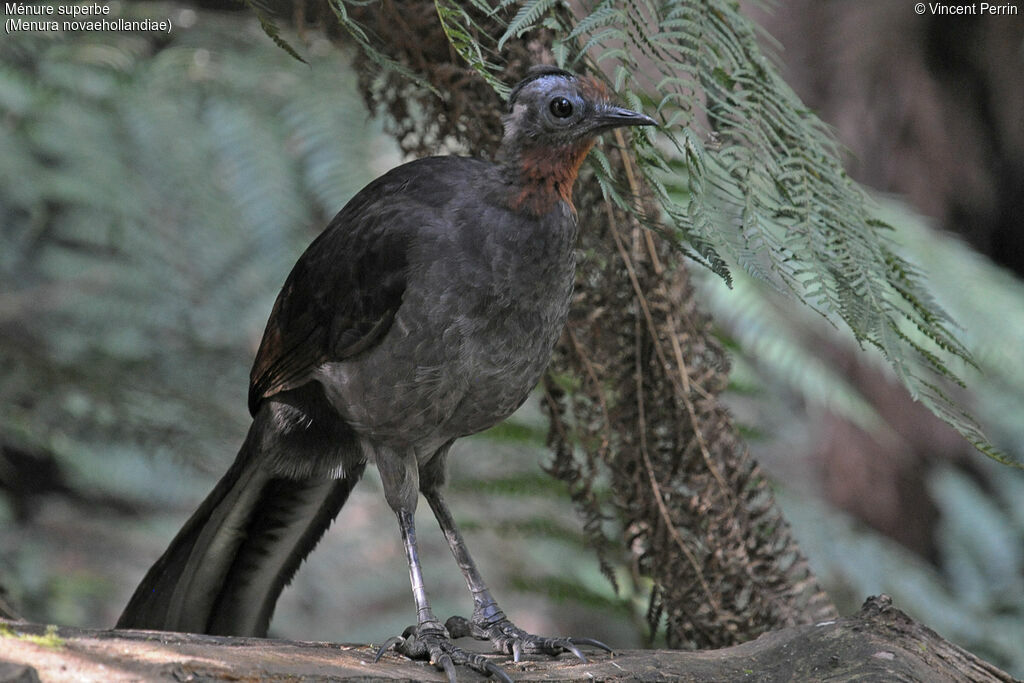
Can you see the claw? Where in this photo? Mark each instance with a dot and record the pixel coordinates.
(388, 644)
(449, 668)
(568, 645)
(592, 643)
(496, 671)
(517, 650)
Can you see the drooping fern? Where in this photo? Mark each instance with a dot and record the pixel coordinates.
(747, 177)
(770, 197)
(269, 27)
(370, 46)
(460, 27)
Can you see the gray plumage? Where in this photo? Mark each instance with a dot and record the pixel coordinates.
(426, 311)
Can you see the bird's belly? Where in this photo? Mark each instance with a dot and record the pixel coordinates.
(498, 377)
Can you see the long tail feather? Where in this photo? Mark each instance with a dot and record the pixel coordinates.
(225, 569)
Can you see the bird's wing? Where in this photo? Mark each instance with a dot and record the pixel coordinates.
(340, 297)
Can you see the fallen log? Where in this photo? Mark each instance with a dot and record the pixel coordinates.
(879, 643)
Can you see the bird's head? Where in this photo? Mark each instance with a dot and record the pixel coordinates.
(555, 108)
(552, 121)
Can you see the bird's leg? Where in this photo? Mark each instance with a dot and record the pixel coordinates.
(488, 621)
(425, 619)
(428, 639)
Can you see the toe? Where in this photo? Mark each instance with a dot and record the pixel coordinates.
(434, 643)
(569, 646)
(509, 639)
(459, 627)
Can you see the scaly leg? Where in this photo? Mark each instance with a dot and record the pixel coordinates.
(428, 639)
(489, 622)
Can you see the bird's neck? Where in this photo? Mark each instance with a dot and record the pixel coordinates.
(541, 176)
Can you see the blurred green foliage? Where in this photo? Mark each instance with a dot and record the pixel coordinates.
(153, 196)
(974, 597)
(785, 357)
(153, 199)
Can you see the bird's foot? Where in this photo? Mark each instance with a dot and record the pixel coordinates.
(432, 642)
(508, 638)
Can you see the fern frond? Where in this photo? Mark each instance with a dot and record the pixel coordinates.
(529, 15)
(269, 27)
(369, 46)
(461, 30)
(772, 198)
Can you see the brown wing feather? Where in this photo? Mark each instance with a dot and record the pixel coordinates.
(340, 297)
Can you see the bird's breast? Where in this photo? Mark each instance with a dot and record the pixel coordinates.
(472, 337)
(505, 331)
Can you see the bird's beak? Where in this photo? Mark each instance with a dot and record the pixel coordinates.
(612, 117)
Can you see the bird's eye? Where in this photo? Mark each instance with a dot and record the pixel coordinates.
(561, 107)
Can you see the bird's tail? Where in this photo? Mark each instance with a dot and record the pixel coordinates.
(224, 571)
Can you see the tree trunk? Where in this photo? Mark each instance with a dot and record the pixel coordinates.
(633, 390)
